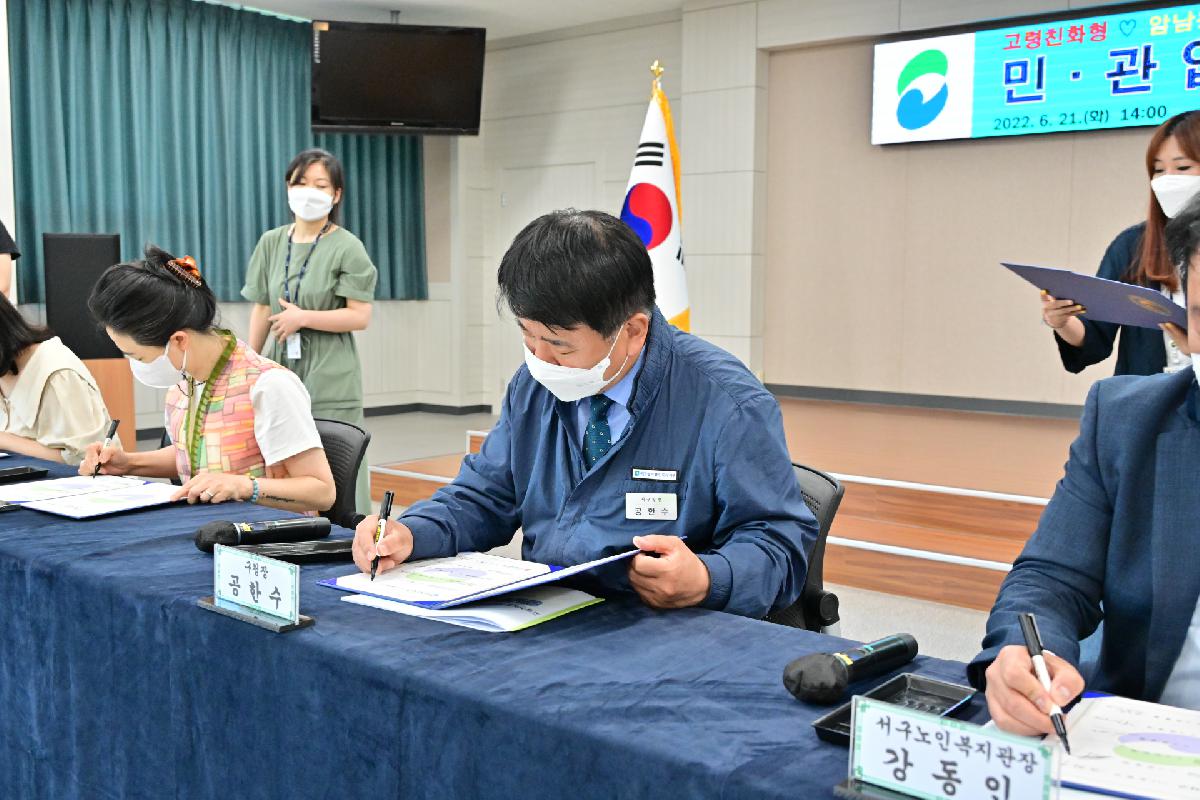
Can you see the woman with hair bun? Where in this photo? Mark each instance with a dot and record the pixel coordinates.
(240, 425)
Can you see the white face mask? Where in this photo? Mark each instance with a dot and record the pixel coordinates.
(571, 383)
(159, 373)
(1174, 192)
(309, 204)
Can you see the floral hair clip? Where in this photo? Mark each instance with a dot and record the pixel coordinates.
(186, 268)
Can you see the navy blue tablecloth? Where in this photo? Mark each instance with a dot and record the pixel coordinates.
(114, 684)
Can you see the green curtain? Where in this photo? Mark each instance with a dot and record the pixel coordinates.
(172, 121)
(385, 206)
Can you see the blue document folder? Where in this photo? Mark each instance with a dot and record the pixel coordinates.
(357, 583)
(1105, 300)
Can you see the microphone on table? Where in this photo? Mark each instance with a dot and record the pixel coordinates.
(293, 529)
(823, 677)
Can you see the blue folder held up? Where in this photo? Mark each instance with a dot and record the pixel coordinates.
(1105, 300)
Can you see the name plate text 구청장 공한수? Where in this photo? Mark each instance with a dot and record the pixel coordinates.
(256, 589)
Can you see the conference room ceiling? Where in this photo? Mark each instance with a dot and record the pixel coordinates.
(502, 18)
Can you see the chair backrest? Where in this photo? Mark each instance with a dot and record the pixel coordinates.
(822, 494)
(345, 445)
(166, 442)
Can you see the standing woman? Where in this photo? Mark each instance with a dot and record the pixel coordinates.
(1139, 256)
(312, 284)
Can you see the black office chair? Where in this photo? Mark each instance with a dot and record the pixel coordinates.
(815, 609)
(345, 445)
(166, 442)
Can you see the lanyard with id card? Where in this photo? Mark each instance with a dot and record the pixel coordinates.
(293, 341)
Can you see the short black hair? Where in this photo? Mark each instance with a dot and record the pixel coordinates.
(315, 155)
(1182, 235)
(16, 334)
(571, 267)
(148, 300)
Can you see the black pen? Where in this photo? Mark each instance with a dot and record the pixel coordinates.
(112, 431)
(385, 511)
(1033, 643)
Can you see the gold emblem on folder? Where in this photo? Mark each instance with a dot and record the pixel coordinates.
(1150, 305)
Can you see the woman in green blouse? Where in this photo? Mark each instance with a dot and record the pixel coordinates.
(312, 284)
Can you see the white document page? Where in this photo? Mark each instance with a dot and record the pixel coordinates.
(64, 487)
(1136, 748)
(438, 580)
(538, 580)
(95, 504)
(512, 612)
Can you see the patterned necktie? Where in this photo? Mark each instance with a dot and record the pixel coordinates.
(597, 439)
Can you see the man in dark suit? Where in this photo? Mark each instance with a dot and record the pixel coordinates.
(1119, 541)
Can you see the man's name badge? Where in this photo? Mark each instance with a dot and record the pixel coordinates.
(644, 474)
(646, 505)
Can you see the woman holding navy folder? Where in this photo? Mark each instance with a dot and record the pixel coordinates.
(1139, 256)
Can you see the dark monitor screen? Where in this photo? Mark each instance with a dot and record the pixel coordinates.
(400, 78)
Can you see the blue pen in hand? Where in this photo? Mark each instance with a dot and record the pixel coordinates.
(112, 431)
(1033, 643)
(385, 511)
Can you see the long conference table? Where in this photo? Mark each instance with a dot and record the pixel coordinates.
(114, 684)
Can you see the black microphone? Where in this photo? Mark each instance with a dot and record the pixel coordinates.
(293, 529)
(823, 677)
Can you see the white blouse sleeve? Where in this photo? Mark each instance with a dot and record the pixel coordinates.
(283, 420)
(71, 416)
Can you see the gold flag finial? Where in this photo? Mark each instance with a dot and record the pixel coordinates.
(656, 69)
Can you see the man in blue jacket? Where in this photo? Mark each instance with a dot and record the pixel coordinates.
(620, 431)
(1119, 541)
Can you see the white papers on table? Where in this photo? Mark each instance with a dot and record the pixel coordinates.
(64, 487)
(512, 612)
(113, 501)
(438, 580)
(464, 578)
(1132, 748)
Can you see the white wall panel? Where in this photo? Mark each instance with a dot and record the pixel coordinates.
(721, 130)
(719, 209)
(578, 73)
(722, 292)
(920, 14)
(788, 23)
(720, 48)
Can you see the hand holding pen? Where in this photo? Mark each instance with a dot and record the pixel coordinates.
(385, 511)
(1018, 699)
(1033, 643)
(108, 439)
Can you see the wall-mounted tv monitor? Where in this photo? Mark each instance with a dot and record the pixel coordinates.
(396, 78)
(1067, 73)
